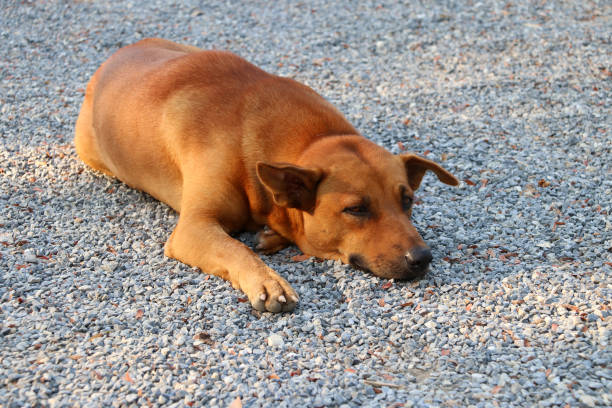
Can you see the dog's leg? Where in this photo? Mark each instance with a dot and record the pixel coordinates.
(201, 241)
(269, 241)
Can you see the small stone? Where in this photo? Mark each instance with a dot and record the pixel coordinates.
(587, 400)
(34, 280)
(331, 338)
(131, 398)
(274, 340)
(477, 377)
(515, 388)
(110, 266)
(29, 255)
(503, 379)
(594, 385)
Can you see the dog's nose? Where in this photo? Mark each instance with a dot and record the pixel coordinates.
(418, 260)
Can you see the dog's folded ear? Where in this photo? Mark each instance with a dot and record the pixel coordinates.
(291, 186)
(417, 166)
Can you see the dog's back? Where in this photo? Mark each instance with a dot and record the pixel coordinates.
(156, 100)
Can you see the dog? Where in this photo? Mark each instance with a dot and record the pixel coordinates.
(231, 148)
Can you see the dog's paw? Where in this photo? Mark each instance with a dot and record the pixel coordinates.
(269, 242)
(273, 294)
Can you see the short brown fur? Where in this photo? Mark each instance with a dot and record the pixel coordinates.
(232, 147)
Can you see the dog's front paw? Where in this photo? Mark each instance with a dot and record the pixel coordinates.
(269, 241)
(272, 294)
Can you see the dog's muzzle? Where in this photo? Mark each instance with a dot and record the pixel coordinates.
(413, 265)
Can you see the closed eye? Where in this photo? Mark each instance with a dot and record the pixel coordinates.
(357, 210)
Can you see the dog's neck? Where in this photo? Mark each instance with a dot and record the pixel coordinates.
(287, 222)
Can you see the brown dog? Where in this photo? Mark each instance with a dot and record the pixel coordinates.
(232, 147)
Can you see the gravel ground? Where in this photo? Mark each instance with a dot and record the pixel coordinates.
(513, 97)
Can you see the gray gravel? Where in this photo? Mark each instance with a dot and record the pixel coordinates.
(514, 97)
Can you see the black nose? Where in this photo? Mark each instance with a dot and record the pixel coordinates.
(418, 260)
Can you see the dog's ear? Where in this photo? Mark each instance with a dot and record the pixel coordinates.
(291, 186)
(417, 166)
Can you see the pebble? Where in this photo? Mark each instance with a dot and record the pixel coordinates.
(130, 398)
(29, 255)
(275, 340)
(430, 324)
(587, 400)
(518, 111)
(477, 377)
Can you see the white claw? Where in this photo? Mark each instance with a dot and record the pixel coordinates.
(282, 299)
(263, 297)
(294, 299)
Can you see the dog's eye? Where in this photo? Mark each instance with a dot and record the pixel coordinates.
(407, 202)
(357, 210)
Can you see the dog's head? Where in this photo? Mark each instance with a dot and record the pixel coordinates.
(353, 201)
